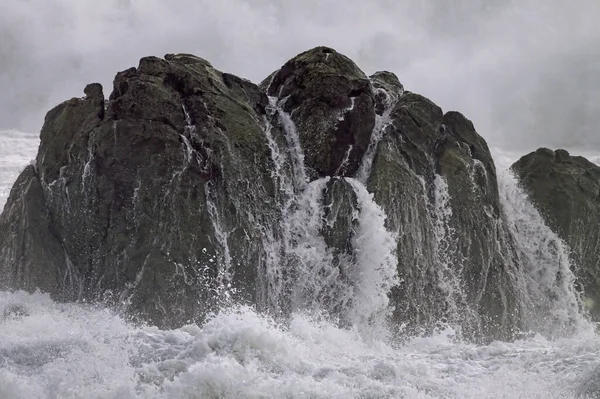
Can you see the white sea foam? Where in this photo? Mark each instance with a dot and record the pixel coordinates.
(77, 351)
(16, 150)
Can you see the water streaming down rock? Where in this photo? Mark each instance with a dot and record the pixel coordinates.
(320, 262)
(50, 349)
(565, 189)
(550, 303)
(449, 261)
(375, 270)
(193, 191)
(434, 176)
(321, 190)
(330, 101)
(388, 94)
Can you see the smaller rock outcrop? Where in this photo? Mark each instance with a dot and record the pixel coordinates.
(340, 204)
(29, 244)
(566, 190)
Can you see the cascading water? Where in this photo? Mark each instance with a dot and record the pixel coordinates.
(449, 262)
(381, 123)
(375, 269)
(290, 177)
(302, 272)
(550, 302)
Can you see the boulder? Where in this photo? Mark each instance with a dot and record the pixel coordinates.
(340, 206)
(484, 249)
(566, 190)
(149, 200)
(331, 102)
(31, 251)
(435, 177)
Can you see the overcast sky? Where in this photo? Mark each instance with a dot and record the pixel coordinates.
(527, 72)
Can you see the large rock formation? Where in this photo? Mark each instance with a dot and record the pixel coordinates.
(435, 177)
(133, 199)
(566, 189)
(189, 186)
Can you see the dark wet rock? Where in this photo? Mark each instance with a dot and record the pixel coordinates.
(30, 250)
(331, 101)
(566, 190)
(384, 82)
(340, 205)
(15, 311)
(126, 194)
(465, 162)
(429, 163)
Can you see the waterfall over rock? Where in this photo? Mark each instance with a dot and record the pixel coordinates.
(321, 190)
(566, 190)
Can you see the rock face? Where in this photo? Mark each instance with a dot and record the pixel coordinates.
(189, 188)
(133, 199)
(566, 189)
(435, 177)
(331, 102)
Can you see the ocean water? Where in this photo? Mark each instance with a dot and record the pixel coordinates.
(53, 350)
(17, 149)
(75, 351)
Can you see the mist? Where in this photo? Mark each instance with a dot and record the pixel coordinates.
(526, 72)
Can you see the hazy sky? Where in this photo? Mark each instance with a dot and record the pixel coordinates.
(527, 72)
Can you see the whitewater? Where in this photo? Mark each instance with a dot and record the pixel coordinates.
(56, 350)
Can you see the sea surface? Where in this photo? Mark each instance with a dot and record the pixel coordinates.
(53, 350)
